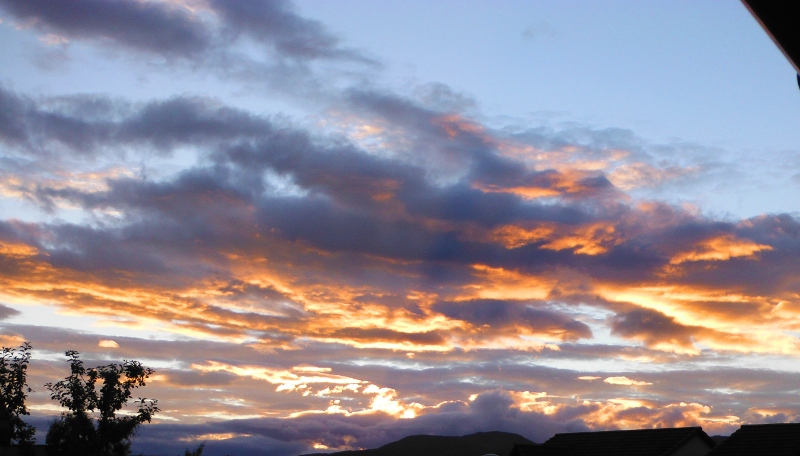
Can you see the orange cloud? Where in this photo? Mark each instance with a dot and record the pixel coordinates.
(591, 239)
(626, 413)
(713, 325)
(513, 236)
(502, 283)
(719, 249)
(568, 182)
(594, 239)
(625, 381)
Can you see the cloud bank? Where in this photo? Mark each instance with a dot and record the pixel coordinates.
(395, 266)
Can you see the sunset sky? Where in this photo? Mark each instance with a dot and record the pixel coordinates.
(332, 224)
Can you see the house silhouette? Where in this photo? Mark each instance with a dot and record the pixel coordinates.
(687, 441)
(761, 439)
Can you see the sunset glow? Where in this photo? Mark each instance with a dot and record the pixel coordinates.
(331, 225)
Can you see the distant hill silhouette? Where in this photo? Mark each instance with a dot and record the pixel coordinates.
(477, 444)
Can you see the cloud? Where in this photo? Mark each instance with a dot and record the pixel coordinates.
(653, 328)
(720, 248)
(11, 127)
(625, 381)
(150, 26)
(340, 431)
(448, 389)
(192, 30)
(532, 415)
(639, 175)
(93, 125)
(507, 316)
(392, 265)
(265, 192)
(264, 45)
(274, 22)
(7, 312)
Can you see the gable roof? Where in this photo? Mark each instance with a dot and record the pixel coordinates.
(640, 442)
(755, 439)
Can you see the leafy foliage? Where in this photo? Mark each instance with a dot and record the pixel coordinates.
(14, 389)
(196, 452)
(104, 390)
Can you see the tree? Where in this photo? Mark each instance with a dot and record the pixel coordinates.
(92, 427)
(14, 388)
(196, 452)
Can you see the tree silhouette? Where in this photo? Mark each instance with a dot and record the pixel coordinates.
(196, 452)
(14, 389)
(77, 432)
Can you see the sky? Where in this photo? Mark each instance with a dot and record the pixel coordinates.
(329, 225)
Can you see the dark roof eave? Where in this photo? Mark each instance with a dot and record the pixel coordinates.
(699, 432)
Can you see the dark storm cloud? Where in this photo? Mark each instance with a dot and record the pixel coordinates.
(23, 123)
(253, 145)
(89, 125)
(256, 144)
(242, 147)
(90, 249)
(174, 30)
(499, 315)
(209, 205)
(355, 231)
(461, 202)
(183, 120)
(149, 26)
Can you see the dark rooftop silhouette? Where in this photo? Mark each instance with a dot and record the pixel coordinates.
(780, 20)
(690, 441)
(756, 439)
